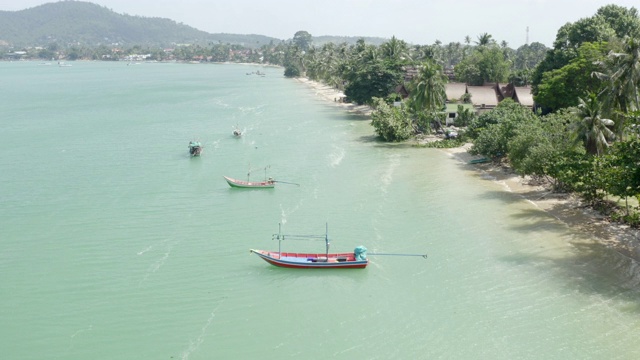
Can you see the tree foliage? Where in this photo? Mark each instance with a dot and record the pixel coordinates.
(391, 123)
(485, 64)
(590, 128)
(303, 40)
(610, 21)
(622, 70)
(375, 79)
(428, 93)
(492, 131)
(529, 55)
(561, 88)
(540, 148)
(620, 169)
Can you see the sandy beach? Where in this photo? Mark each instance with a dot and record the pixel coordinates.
(567, 208)
(335, 96)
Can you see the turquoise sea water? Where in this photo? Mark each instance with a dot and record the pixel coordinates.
(117, 245)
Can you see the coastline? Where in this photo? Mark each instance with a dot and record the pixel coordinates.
(335, 96)
(566, 208)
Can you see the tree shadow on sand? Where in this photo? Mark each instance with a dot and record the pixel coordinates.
(590, 268)
(379, 143)
(597, 262)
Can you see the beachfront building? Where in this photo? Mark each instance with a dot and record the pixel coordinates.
(455, 96)
(484, 98)
(487, 97)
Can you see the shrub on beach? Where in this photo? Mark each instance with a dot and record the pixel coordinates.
(391, 123)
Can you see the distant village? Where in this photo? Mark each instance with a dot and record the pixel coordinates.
(480, 98)
(120, 54)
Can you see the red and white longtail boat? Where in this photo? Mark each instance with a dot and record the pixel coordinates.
(345, 260)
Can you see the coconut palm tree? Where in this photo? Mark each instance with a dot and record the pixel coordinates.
(590, 128)
(396, 50)
(621, 71)
(626, 71)
(429, 93)
(485, 39)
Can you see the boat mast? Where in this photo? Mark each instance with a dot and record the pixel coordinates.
(326, 237)
(279, 240)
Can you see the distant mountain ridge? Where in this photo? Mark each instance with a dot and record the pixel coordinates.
(88, 24)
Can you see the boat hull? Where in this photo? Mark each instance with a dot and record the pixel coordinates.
(249, 184)
(311, 261)
(479, 161)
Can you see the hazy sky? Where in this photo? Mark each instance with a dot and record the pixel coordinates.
(414, 21)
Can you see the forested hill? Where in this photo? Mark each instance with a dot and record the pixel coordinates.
(88, 24)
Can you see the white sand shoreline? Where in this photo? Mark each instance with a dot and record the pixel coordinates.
(566, 208)
(334, 95)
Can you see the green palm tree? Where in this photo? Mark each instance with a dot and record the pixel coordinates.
(396, 50)
(485, 39)
(626, 71)
(590, 128)
(621, 71)
(429, 93)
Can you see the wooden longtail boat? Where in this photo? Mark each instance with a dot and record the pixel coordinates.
(346, 260)
(266, 183)
(269, 183)
(311, 261)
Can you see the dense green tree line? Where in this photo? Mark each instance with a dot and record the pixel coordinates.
(585, 139)
(588, 141)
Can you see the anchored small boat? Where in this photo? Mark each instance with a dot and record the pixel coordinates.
(195, 148)
(312, 261)
(479, 160)
(344, 260)
(237, 132)
(268, 183)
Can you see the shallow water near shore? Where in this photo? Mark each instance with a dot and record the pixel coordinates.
(117, 244)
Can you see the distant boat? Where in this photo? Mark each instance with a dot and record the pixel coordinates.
(63, 64)
(268, 183)
(237, 132)
(345, 260)
(195, 148)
